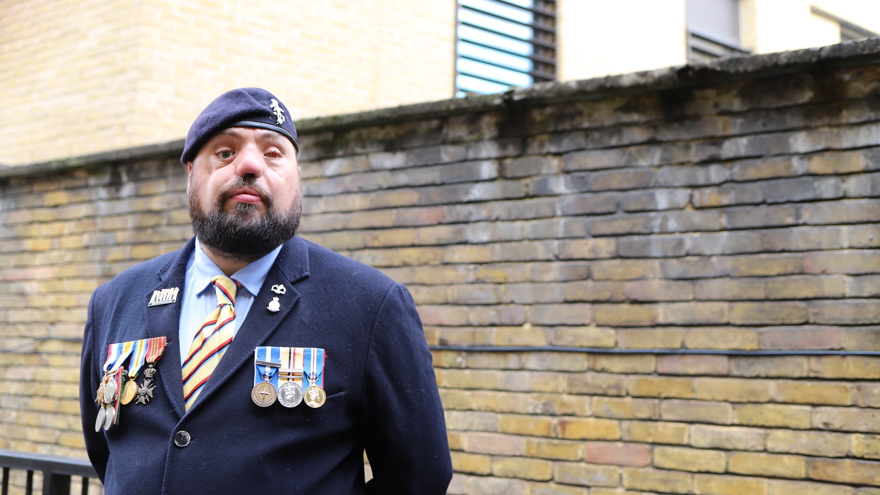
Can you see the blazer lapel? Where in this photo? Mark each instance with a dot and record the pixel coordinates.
(290, 266)
(164, 321)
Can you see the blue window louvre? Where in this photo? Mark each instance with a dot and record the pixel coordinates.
(504, 43)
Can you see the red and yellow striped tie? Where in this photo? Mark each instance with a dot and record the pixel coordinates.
(210, 342)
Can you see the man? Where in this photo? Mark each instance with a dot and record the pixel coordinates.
(209, 337)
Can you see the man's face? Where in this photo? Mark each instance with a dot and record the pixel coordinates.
(244, 192)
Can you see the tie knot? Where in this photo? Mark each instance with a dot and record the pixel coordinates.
(225, 288)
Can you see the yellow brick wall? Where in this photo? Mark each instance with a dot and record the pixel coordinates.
(81, 77)
(65, 77)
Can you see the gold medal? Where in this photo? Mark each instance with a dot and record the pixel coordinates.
(315, 396)
(264, 394)
(129, 391)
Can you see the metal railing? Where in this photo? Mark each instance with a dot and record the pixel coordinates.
(57, 471)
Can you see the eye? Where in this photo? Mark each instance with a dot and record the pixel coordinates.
(225, 154)
(273, 154)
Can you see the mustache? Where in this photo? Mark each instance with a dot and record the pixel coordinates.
(250, 182)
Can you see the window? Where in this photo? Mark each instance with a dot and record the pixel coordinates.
(713, 29)
(504, 43)
(848, 30)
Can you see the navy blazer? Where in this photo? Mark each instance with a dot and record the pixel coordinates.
(381, 390)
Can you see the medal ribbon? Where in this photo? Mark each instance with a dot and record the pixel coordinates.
(155, 348)
(315, 358)
(266, 354)
(116, 355)
(296, 355)
(286, 364)
(137, 358)
(292, 359)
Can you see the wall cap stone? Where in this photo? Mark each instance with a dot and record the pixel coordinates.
(846, 54)
(171, 149)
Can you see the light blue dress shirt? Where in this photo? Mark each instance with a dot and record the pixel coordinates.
(200, 298)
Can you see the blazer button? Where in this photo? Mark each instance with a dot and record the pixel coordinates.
(181, 439)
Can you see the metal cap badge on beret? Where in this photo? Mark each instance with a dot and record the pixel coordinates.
(245, 107)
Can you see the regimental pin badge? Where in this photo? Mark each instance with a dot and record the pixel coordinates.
(164, 296)
(274, 306)
(277, 110)
(279, 289)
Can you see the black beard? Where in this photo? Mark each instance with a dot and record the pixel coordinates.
(243, 234)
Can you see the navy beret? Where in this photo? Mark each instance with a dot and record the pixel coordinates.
(245, 107)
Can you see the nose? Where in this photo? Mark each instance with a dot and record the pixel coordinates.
(250, 162)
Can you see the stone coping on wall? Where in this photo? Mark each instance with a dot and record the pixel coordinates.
(846, 54)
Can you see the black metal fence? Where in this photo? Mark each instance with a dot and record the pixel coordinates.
(57, 471)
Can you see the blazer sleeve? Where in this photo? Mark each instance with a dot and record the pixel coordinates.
(404, 429)
(90, 376)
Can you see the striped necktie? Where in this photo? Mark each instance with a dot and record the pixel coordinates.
(210, 342)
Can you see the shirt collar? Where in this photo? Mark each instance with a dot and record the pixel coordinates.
(251, 277)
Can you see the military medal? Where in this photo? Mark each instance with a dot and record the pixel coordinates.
(145, 390)
(111, 407)
(138, 355)
(315, 395)
(290, 392)
(99, 421)
(108, 391)
(154, 349)
(266, 364)
(99, 399)
(264, 394)
(110, 416)
(129, 391)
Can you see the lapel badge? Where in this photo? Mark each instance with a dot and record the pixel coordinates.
(274, 305)
(279, 289)
(277, 110)
(164, 296)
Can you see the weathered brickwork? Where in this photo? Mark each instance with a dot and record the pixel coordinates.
(732, 212)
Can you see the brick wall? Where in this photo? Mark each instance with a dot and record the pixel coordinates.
(655, 283)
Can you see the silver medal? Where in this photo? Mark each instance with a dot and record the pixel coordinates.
(290, 394)
(110, 391)
(99, 421)
(109, 416)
